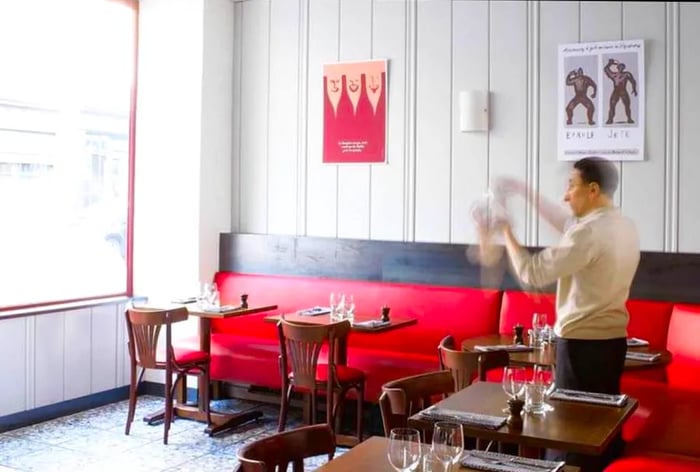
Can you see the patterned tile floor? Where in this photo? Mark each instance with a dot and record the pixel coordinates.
(94, 440)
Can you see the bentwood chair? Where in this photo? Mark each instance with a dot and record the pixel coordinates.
(300, 347)
(404, 397)
(144, 327)
(467, 366)
(276, 452)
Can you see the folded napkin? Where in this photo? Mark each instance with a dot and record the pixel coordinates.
(637, 342)
(496, 462)
(317, 310)
(185, 301)
(589, 397)
(643, 356)
(217, 309)
(504, 347)
(371, 324)
(471, 419)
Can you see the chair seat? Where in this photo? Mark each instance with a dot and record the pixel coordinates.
(345, 374)
(188, 356)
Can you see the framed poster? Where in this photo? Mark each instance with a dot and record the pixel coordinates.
(354, 112)
(601, 100)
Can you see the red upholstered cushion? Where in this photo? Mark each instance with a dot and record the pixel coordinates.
(649, 320)
(462, 312)
(684, 370)
(518, 307)
(650, 463)
(188, 356)
(345, 373)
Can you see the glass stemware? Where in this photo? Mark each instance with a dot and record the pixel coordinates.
(543, 375)
(513, 382)
(404, 450)
(448, 443)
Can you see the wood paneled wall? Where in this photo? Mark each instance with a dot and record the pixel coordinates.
(435, 49)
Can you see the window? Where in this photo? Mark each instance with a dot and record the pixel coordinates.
(66, 114)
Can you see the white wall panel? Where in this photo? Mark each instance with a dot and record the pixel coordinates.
(321, 180)
(470, 151)
(642, 203)
(284, 117)
(354, 179)
(254, 117)
(433, 121)
(387, 198)
(104, 348)
(689, 125)
(602, 21)
(559, 24)
(49, 361)
(508, 72)
(13, 352)
(78, 349)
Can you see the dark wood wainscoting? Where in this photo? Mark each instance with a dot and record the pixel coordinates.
(661, 276)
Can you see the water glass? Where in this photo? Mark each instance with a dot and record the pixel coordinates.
(448, 443)
(534, 398)
(543, 375)
(349, 308)
(337, 306)
(404, 451)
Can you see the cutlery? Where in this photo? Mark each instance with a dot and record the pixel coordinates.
(522, 464)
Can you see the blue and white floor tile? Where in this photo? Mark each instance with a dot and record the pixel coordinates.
(94, 440)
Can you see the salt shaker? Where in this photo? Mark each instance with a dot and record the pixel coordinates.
(518, 334)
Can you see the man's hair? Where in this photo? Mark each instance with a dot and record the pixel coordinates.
(600, 171)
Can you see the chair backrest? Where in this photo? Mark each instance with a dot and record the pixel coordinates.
(276, 452)
(466, 366)
(405, 397)
(300, 346)
(143, 327)
(463, 365)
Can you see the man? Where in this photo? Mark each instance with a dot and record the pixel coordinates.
(619, 78)
(593, 264)
(580, 82)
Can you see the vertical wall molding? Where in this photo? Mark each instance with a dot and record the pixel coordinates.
(303, 110)
(532, 159)
(671, 212)
(410, 73)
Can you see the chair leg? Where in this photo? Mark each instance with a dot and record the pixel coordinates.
(133, 388)
(313, 406)
(360, 410)
(168, 404)
(284, 407)
(338, 410)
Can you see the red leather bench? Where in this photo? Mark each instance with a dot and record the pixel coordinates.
(245, 350)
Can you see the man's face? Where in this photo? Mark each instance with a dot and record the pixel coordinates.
(578, 194)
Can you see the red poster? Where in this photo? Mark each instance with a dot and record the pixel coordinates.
(354, 114)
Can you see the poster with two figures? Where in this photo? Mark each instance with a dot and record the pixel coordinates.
(601, 100)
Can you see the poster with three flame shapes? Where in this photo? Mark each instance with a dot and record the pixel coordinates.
(354, 113)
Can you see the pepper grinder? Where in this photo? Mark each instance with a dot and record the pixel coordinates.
(244, 300)
(385, 314)
(518, 337)
(515, 419)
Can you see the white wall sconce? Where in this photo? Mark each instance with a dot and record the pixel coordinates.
(474, 110)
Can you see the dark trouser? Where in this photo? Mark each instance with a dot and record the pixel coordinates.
(592, 366)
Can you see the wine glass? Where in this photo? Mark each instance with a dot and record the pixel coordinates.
(513, 382)
(543, 375)
(404, 450)
(448, 443)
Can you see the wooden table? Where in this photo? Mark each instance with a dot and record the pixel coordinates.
(370, 455)
(571, 426)
(325, 319)
(547, 355)
(220, 421)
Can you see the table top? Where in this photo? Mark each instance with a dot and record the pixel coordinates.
(196, 310)
(546, 355)
(571, 426)
(371, 455)
(325, 319)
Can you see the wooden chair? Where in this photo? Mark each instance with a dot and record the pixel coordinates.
(466, 366)
(300, 346)
(276, 452)
(405, 397)
(143, 329)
